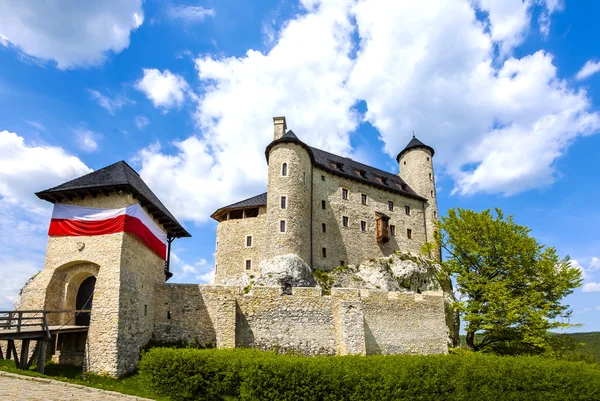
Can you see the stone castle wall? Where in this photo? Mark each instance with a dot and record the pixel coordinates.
(349, 321)
(351, 244)
(231, 250)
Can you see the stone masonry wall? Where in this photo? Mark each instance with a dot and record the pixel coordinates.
(349, 321)
(416, 169)
(351, 244)
(231, 250)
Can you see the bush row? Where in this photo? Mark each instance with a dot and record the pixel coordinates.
(245, 374)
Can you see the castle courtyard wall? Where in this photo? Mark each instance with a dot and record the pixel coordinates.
(349, 321)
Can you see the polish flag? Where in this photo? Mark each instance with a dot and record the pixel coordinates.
(70, 220)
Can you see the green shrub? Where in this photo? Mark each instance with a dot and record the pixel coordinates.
(245, 374)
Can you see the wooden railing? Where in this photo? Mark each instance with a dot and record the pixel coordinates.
(21, 320)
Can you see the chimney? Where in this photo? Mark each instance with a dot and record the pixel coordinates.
(279, 127)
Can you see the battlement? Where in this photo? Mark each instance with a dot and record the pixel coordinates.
(348, 321)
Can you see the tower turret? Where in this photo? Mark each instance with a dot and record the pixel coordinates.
(288, 194)
(416, 169)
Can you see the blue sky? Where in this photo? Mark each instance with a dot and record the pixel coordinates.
(507, 92)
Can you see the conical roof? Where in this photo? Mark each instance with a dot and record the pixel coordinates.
(117, 176)
(414, 144)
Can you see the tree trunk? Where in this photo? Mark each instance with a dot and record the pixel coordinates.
(471, 340)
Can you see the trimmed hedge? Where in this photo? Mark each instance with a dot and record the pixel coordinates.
(246, 374)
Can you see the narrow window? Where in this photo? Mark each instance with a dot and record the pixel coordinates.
(432, 193)
(363, 226)
(407, 210)
(324, 252)
(322, 178)
(427, 158)
(215, 268)
(345, 221)
(392, 229)
(405, 162)
(216, 246)
(248, 241)
(282, 226)
(390, 206)
(323, 204)
(284, 169)
(283, 202)
(169, 314)
(344, 194)
(363, 198)
(430, 177)
(145, 310)
(324, 227)
(304, 178)
(342, 263)
(248, 264)
(408, 233)
(434, 214)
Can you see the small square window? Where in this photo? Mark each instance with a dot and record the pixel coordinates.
(322, 178)
(324, 252)
(342, 263)
(427, 158)
(407, 210)
(248, 241)
(363, 226)
(345, 221)
(323, 204)
(324, 227)
(363, 198)
(392, 229)
(282, 226)
(283, 202)
(405, 162)
(344, 194)
(408, 233)
(390, 206)
(284, 169)
(248, 264)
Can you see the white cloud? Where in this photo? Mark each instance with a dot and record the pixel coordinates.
(598, 308)
(498, 123)
(141, 122)
(37, 125)
(25, 169)
(109, 104)
(594, 263)
(207, 278)
(86, 139)
(591, 287)
(577, 265)
(590, 68)
(164, 89)
(71, 33)
(190, 14)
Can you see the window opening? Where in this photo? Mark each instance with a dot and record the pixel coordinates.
(283, 202)
(248, 241)
(324, 227)
(323, 204)
(390, 206)
(324, 252)
(408, 233)
(392, 229)
(248, 264)
(407, 210)
(345, 221)
(363, 226)
(363, 198)
(282, 226)
(284, 169)
(344, 194)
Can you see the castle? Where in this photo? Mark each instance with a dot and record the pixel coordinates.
(109, 245)
(329, 210)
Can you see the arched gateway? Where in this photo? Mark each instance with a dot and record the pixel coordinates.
(108, 246)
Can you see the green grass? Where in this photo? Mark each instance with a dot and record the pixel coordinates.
(132, 385)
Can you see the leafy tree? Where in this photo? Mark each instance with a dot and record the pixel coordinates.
(510, 285)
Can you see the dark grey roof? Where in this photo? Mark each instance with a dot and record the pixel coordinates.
(356, 171)
(414, 144)
(348, 168)
(117, 176)
(255, 201)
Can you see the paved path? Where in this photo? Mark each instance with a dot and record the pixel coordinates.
(24, 388)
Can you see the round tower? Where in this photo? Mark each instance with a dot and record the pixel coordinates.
(416, 169)
(288, 195)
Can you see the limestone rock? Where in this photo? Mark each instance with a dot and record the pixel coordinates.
(285, 271)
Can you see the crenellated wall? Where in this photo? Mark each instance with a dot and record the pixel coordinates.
(349, 321)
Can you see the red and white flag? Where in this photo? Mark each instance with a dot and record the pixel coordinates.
(70, 220)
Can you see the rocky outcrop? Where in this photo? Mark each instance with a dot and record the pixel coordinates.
(285, 271)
